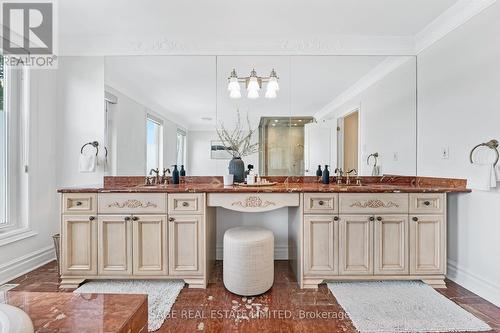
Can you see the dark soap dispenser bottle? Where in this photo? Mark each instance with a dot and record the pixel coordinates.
(326, 175)
(319, 173)
(175, 175)
(182, 172)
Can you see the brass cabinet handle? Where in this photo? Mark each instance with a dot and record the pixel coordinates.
(336, 218)
(379, 218)
(91, 218)
(127, 218)
(171, 219)
(427, 203)
(78, 203)
(135, 218)
(185, 204)
(321, 202)
(371, 218)
(414, 218)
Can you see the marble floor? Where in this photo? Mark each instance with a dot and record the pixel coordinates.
(288, 308)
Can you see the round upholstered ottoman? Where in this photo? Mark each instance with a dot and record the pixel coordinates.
(248, 260)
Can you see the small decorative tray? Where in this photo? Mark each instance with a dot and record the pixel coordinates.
(256, 184)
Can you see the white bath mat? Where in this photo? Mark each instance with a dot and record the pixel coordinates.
(161, 295)
(402, 306)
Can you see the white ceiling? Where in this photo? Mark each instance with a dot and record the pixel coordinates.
(190, 26)
(183, 88)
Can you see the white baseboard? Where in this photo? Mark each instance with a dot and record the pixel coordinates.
(280, 252)
(26, 263)
(478, 285)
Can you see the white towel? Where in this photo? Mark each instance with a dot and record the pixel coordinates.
(376, 170)
(483, 175)
(88, 162)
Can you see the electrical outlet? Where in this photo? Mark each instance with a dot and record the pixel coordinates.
(445, 153)
(395, 156)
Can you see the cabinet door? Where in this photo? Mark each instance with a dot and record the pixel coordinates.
(356, 245)
(185, 244)
(320, 245)
(115, 245)
(427, 244)
(391, 244)
(150, 249)
(79, 245)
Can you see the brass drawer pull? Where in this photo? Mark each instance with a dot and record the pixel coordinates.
(185, 204)
(91, 218)
(135, 218)
(127, 218)
(415, 218)
(321, 202)
(379, 218)
(171, 219)
(427, 203)
(371, 218)
(336, 218)
(78, 203)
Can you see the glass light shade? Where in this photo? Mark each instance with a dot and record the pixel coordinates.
(273, 84)
(271, 94)
(233, 84)
(235, 94)
(253, 84)
(253, 93)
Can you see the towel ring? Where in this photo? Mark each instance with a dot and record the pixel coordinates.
(375, 156)
(492, 144)
(94, 144)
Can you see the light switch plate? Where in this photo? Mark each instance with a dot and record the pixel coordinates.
(445, 153)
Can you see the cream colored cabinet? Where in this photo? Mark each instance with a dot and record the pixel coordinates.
(114, 245)
(356, 244)
(79, 245)
(320, 245)
(427, 244)
(149, 245)
(185, 248)
(391, 245)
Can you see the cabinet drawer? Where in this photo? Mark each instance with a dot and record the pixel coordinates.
(79, 203)
(185, 203)
(427, 203)
(132, 203)
(317, 203)
(378, 203)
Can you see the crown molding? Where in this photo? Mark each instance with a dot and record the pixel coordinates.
(104, 45)
(376, 74)
(452, 18)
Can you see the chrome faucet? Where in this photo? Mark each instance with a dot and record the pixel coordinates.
(157, 175)
(339, 173)
(165, 175)
(348, 180)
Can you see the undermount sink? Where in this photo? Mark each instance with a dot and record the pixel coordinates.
(14, 320)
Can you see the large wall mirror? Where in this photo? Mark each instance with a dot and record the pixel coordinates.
(349, 112)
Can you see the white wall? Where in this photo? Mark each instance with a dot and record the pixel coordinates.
(80, 116)
(387, 121)
(459, 107)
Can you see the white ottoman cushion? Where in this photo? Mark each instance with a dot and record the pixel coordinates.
(248, 260)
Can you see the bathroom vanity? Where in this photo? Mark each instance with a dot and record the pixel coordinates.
(390, 228)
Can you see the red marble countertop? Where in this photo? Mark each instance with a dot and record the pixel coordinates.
(385, 184)
(82, 313)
